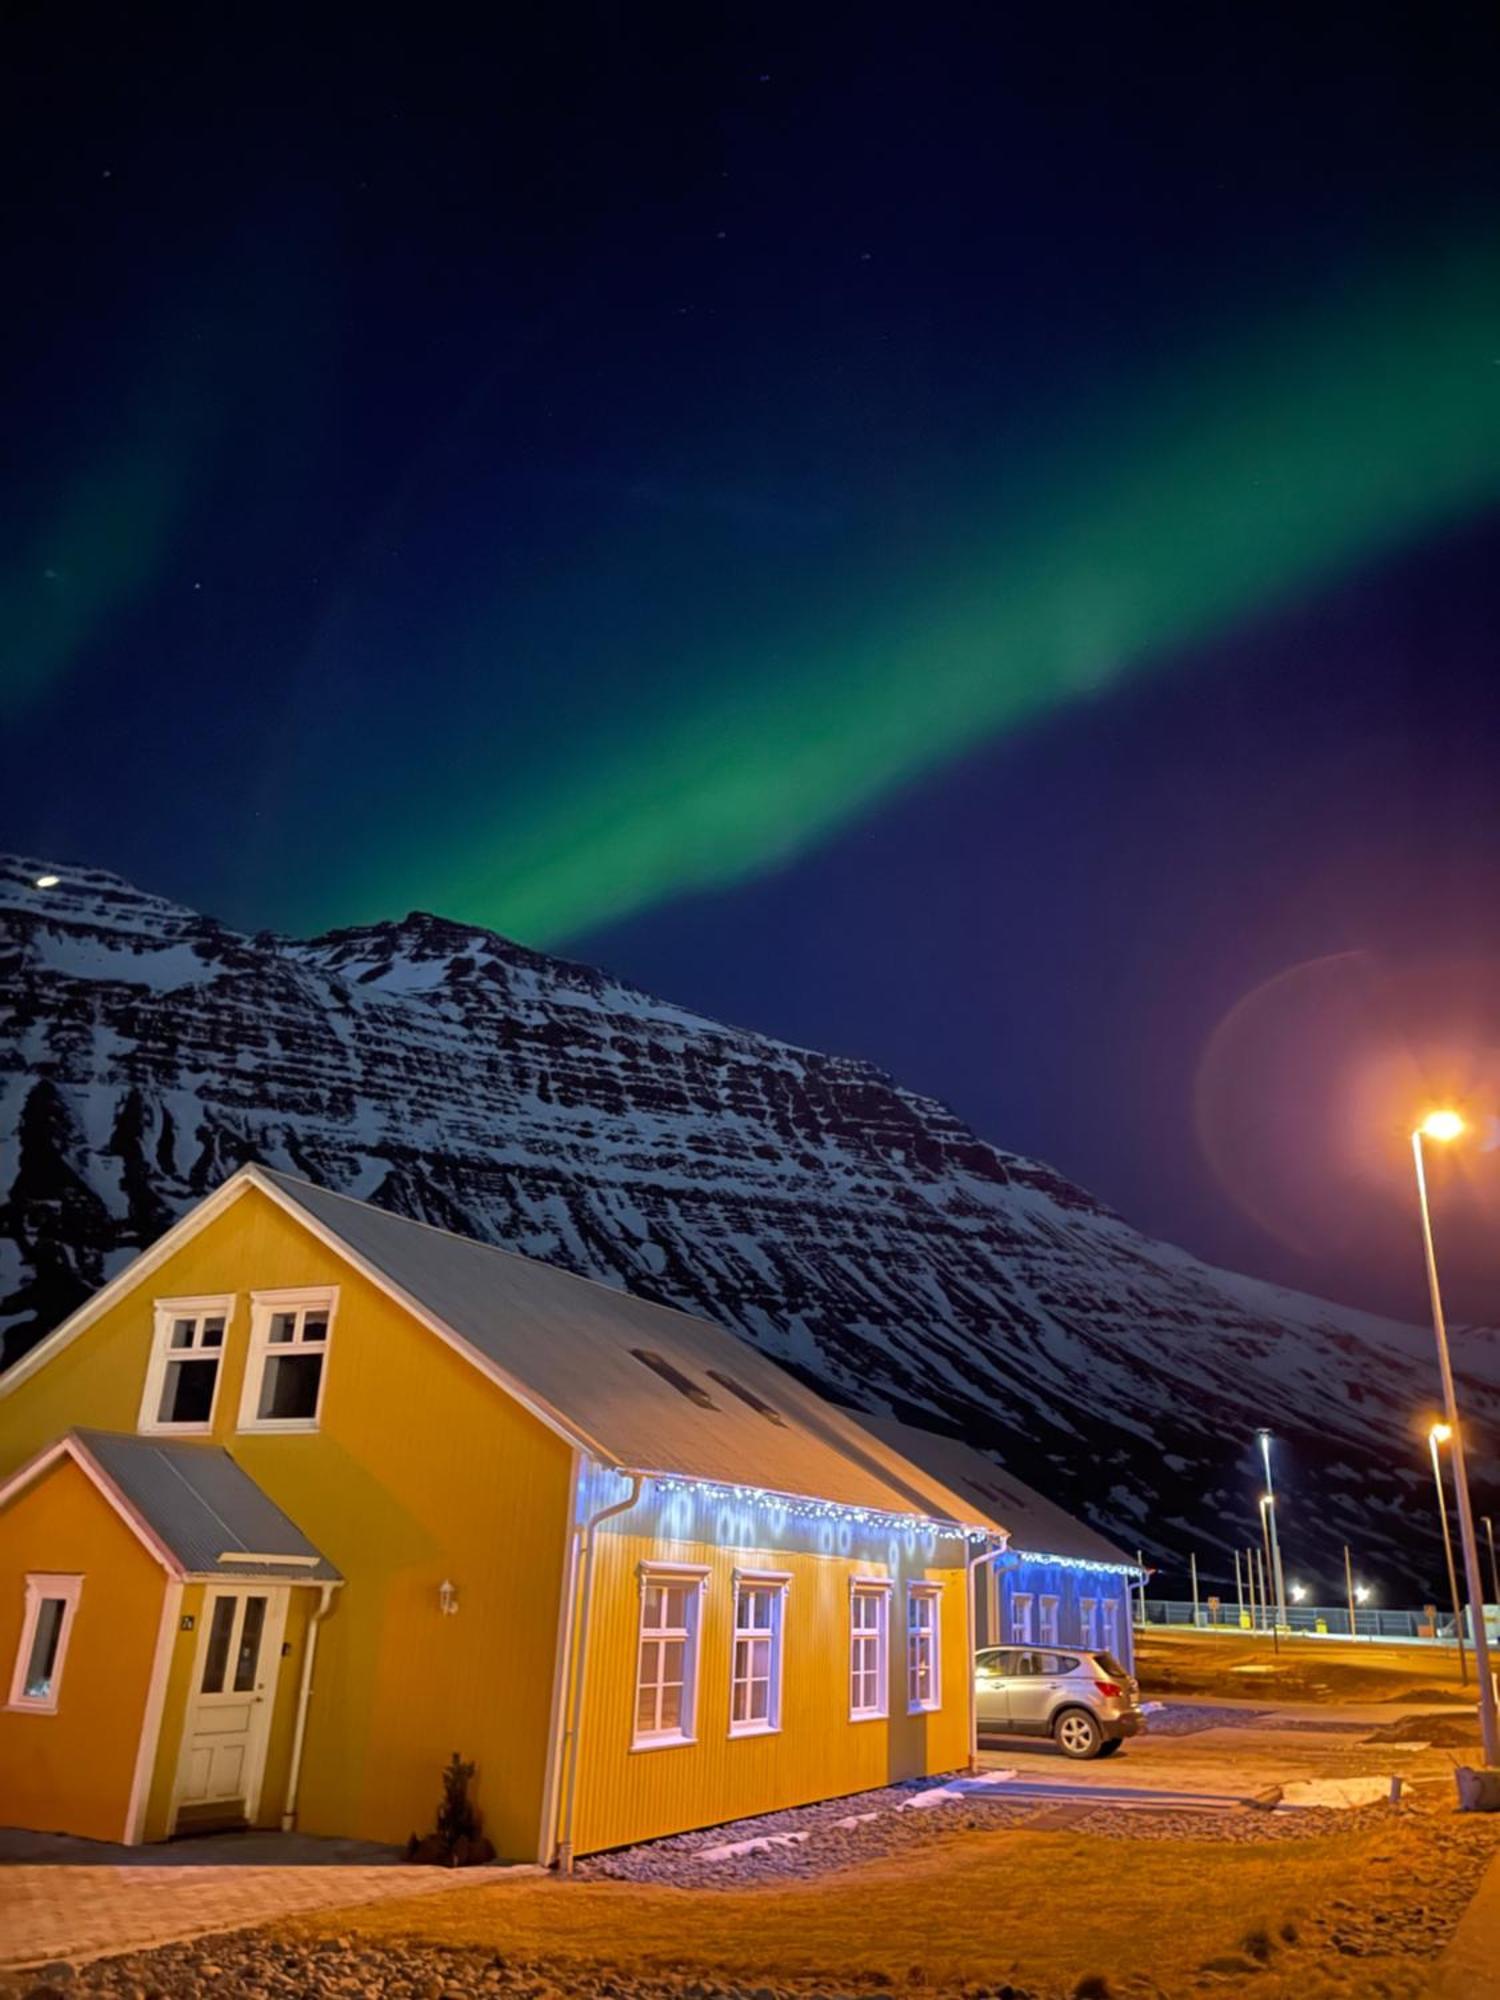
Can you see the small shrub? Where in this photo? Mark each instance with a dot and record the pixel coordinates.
(1289, 1932)
(1258, 1943)
(457, 1840)
(1092, 1986)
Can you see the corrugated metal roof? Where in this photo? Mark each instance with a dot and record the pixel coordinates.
(202, 1506)
(567, 1344)
(1036, 1525)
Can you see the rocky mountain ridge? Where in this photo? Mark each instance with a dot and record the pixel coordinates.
(858, 1232)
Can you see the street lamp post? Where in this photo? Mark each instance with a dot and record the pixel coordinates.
(1440, 1434)
(1489, 1530)
(1278, 1580)
(1443, 1126)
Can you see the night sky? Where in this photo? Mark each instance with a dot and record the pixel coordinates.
(969, 537)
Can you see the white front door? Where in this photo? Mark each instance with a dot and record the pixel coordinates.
(229, 1709)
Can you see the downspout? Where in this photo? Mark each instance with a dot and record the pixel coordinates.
(304, 1697)
(588, 1542)
(976, 1563)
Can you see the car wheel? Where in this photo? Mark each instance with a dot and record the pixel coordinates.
(1076, 1734)
(1110, 1746)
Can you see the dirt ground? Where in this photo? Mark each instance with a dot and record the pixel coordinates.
(1158, 1909)
(1172, 1661)
(1094, 1898)
(1358, 1914)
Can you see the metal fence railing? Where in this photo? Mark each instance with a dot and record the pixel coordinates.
(1320, 1620)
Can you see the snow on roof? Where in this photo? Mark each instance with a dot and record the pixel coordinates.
(203, 1508)
(1037, 1526)
(706, 1405)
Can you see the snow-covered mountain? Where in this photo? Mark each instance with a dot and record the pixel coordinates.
(859, 1233)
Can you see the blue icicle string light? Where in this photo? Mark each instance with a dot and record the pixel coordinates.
(804, 1508)
(1085, 1563)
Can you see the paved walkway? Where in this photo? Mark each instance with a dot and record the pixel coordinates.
(77, 1900)
(1469, 1969)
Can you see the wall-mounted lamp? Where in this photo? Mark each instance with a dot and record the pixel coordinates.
(447, 1598)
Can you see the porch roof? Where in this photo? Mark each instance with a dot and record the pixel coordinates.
(203, 1509)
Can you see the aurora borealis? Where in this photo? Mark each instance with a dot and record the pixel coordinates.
(1262, 467)
(970, 542)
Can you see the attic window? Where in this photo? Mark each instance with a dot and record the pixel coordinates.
(683, 1384)
(182, 1375)
(746, 1396)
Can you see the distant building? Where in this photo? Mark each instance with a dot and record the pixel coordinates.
(311, 1496)
(1059, 1583)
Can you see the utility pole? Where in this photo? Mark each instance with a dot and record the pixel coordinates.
(1193, 1565)
(1266, 1605)
(1239, 1589)
(1489, 1530)
(1349, 1586)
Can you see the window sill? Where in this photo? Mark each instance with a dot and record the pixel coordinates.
(738, 1729)
(279, 1427)
(662, 1743)
(924, 1708)
(176, 1430)
(869, 1715)
(30, 1708)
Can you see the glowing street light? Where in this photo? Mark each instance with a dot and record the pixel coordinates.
(1444, 1126)
(1297, 1592)
(1442, 1434)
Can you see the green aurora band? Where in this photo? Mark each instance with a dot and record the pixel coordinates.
(1260, 471)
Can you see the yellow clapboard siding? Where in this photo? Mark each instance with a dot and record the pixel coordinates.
(421, 1470)
(628, 1794)
(73, 1771)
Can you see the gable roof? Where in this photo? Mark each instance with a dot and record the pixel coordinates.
(570, 1347)
(1038, 1527)
(199, 1513)
(567, 1348)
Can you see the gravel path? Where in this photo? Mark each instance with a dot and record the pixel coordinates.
(816, 1840)
(252, 1965)
(1404, 1908)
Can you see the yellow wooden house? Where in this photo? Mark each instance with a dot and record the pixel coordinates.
(311, 1496)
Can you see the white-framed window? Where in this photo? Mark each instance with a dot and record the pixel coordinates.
(1047, 1624)
(1112, 1625)
(286, 1370)
(46, 1627)
(666, 1678)
(1088, 1620)
(187, 1354)
(924, 1683)
(1021, 1633)
(755, 1659)
(869, 1647)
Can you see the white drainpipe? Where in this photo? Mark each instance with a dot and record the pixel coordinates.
(588, 1540)
(304, 1696)
(976, 1563)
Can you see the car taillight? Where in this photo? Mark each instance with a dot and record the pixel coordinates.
(1110, 1688)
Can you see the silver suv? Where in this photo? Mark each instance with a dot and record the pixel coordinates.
(1084, 1700)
